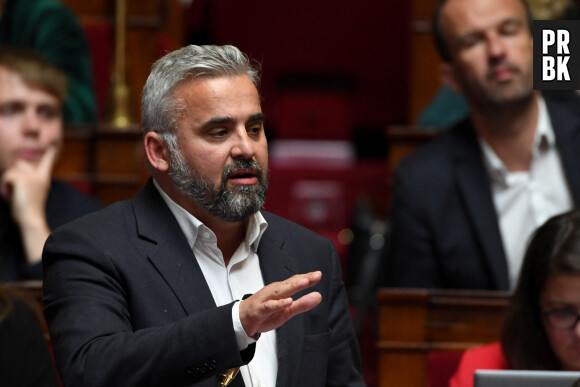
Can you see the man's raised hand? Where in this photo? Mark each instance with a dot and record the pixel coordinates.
(273, 305)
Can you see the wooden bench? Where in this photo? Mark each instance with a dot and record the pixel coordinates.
(416, 322)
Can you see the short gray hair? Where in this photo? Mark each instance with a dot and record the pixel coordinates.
(158, 106)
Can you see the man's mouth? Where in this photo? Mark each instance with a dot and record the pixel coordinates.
(502, 73)
(244, 177)
(31, 155)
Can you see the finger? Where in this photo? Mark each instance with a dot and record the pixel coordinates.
(303, 304)
(289, 306)
(271, 307)
(292, 285)
(273, 313)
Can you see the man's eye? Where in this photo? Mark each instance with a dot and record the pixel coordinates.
(8, 109)
(563, 312)
(255, 130)
(218, 133)
(511, 28)
(469, 41)
(48, 112)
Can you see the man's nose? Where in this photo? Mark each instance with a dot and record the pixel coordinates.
(495, 46)
(243, 146)
(31, 123)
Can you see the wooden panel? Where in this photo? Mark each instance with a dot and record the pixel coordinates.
(118, 150)
(424, 73)
(413, 322)
(75, 161)
(153, 28)
(109, 162)
(119, 163)
(425, 60)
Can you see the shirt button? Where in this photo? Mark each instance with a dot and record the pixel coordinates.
(206, 235)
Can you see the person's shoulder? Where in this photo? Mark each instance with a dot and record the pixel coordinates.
(561, 96)
(562, 102)
(62, 190)
(435, 156)
(489, 356)
(65, 203)
(83, 212)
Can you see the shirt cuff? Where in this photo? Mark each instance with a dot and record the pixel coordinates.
(241, 336)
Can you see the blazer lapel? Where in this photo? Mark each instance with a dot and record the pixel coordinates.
(170, 253)
(474, 187)
(277, 265)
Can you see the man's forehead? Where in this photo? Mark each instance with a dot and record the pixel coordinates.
(7, 73)
(216, 90)
(464, 16)
(214, 100)
(13, 86)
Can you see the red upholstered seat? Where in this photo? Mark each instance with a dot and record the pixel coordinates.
(101, 42)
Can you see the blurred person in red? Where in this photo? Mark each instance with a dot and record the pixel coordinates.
(541, 330)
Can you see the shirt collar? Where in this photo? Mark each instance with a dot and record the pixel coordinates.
(191, 226)
(544, 139)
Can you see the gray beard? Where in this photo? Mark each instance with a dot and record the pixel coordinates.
(232, 205)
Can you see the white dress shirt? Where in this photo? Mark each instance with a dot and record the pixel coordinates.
(525, 200)
(241, 276)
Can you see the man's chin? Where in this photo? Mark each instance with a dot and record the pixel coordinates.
(509, 97)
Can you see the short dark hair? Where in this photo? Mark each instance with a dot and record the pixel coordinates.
(553, 250)
(437, 31)
(35, 70)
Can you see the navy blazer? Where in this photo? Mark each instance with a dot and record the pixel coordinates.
(445, 231)
(127, 304)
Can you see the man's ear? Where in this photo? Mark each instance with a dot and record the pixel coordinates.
(448, 77)
(157, 151)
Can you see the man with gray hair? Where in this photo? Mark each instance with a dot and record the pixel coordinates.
(189, 279)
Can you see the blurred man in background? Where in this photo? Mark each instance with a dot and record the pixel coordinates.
(32, 93)
(466, 204)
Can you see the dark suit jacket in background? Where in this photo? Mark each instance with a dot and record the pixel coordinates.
(63, 204)
(24, 355)
(127, 304)
(445, 227)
